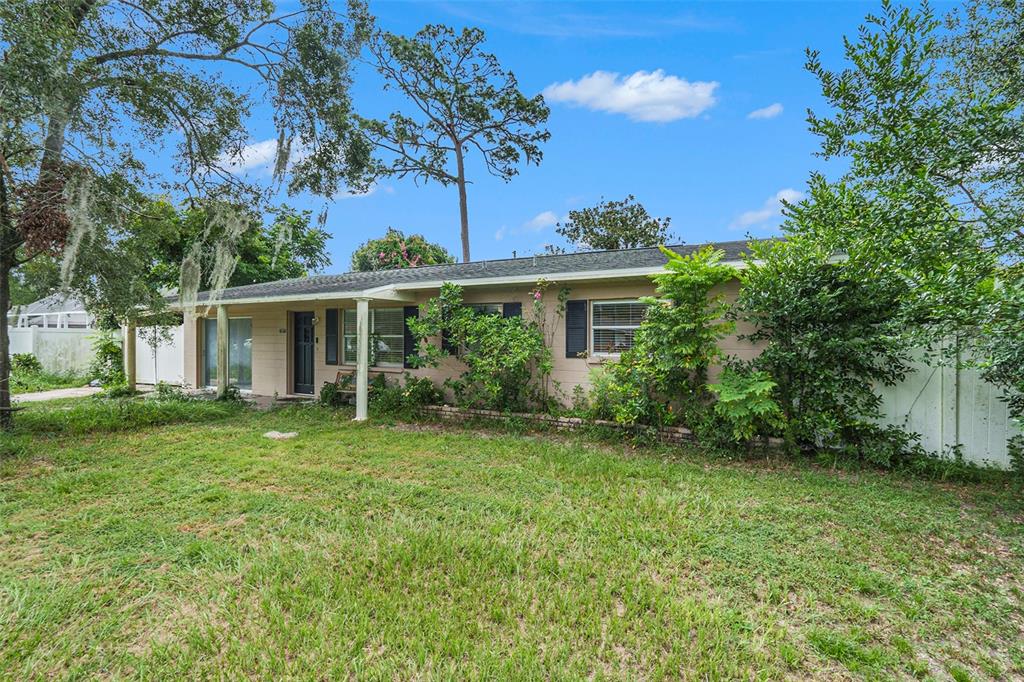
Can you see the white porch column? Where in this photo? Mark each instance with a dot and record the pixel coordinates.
(222, 351)
(362, 356)
(129, 355)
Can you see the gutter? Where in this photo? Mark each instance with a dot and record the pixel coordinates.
(393, 291)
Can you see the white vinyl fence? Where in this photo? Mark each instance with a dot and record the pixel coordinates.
(63, 350)
(164, 361)
(67, 350)
(950, 407)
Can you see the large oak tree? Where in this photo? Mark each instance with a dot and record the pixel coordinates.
(97, 97)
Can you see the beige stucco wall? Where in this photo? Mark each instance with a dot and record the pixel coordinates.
(271, 329)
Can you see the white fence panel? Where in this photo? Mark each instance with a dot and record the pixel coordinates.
(948, 407)
(22, 340)
(58, 350)
(164, 362)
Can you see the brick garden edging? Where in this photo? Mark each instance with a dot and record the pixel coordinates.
(666, 434)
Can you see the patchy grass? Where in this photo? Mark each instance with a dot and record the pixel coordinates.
(100, 414)
(380, 551)
(32, 382)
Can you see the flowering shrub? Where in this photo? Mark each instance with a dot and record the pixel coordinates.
(395, 250)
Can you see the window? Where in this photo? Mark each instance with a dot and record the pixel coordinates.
(239, 352)
(348, 337)
(486, 308)
(331, 337)
(387, 337)
(613, 324)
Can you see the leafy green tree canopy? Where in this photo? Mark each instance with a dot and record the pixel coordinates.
(932, 124)
(463, 102)
(396, 250)
(609, 225)
(285, 247)
(93, 92)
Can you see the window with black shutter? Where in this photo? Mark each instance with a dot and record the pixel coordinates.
(614, 323)
(575, 328)
(512, 309)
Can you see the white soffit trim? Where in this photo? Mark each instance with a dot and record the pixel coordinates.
(392, 292)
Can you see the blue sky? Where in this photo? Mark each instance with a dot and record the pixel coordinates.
(696, 109)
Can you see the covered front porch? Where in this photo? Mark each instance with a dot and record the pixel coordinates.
(291, 348)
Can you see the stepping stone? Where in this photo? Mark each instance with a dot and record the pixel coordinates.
(277, 435)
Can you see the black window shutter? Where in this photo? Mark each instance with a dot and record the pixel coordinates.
(512, 309)
(331, 345)
(575, 328)
(410, 340)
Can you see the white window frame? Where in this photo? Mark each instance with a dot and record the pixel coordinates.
(593, 327)
(202, 335)
(343, 362)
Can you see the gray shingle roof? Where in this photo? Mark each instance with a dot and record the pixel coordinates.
(589, 261)
(54, 303)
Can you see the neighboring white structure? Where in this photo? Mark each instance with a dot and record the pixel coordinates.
(60, 350)
(60, 333)
(56, 311)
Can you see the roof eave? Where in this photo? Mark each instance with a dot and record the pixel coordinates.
(396, 292)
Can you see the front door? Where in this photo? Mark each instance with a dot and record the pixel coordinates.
(304, 350)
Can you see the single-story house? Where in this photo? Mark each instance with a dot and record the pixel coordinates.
(289, 337)
(56, 311)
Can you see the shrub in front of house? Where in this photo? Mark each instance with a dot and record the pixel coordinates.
(830, 333)
(507, 360)
(662, 379)
(393, 398)
(25, 363)
(107, 365)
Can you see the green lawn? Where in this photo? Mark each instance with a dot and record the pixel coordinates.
(44, 381)
(394, 552)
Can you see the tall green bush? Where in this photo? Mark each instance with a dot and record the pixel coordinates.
(831, 331)
(107, 364)
(686, 320)
(661, 379)
(507, 360)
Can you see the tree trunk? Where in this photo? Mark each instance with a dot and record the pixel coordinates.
(9, 241)
(463, 207)
(6, 421)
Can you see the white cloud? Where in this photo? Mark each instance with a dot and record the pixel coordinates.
(541, 221)
(260, 156)
(253, 156)
(770, 111)
(642, 96)
(771, 208)
(538, 223)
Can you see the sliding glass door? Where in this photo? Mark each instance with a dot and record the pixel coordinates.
(209, 352)
(239, 352)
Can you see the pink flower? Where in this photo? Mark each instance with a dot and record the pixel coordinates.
(536, 295)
